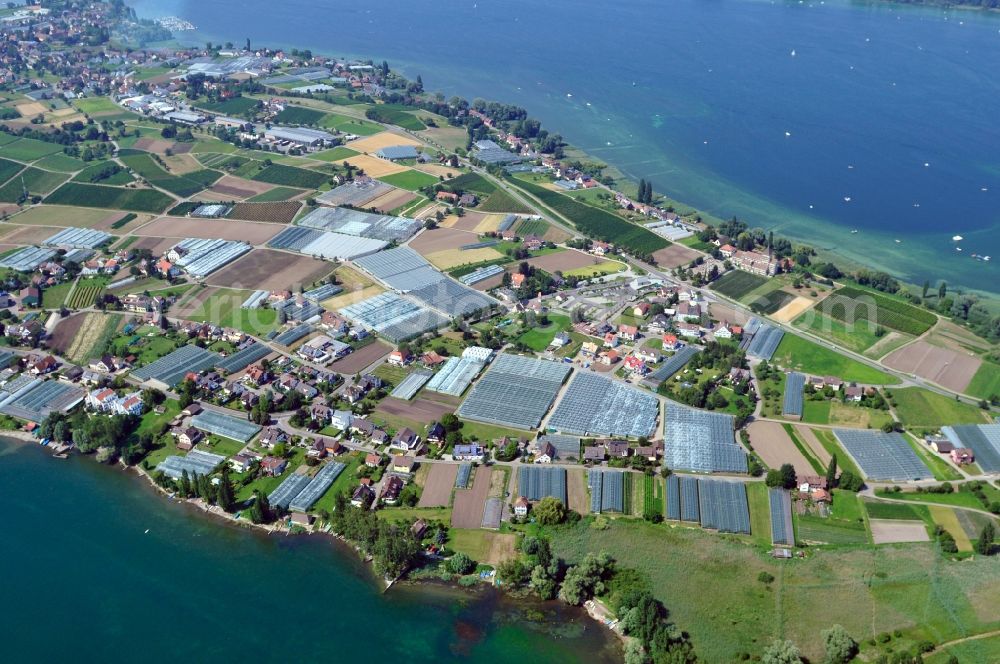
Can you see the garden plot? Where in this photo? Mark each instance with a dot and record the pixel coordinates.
(893, 531)
(439, 485)
(239, 187)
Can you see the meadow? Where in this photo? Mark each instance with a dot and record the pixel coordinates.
(115, 198)
(917, 407)
(797, 353)
(737, 283)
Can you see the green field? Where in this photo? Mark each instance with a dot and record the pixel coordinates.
(182, 186)
(349, 125)
(86, 293)
(60, 162)
(9, 169)
(737, 283)
(895, 511)
(237, 106)
(596, 223)
(501, 201)
(527, 227)
(852, 304)
(335, 154)
(961, 497)
(795, 352)
(653, 497)
(37, 182)
(299, 115)
(30, 149)
(858, 337)
(985, 384)
(387, 114)
(290, 176)
(54, 296)
(223, 308)
(107, 173)
(95, 105)
(539, 338)
(88, 195)
(472, 182)
(917, 407)
(409, 180)
(276, 194)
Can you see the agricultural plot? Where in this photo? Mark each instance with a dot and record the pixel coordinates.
(235, 106)
(652, 496)
(771, 302)
(183, 186)
(859, 336)
(386, 114)
(115, 198)
(275, 195)
(472, 182)
(882, 456)
(501, 201)
(799, 354)
(93, 331)
(598, 224)
(107, 173)
(34, 181)
(348, 125)
(277, 212)
(9, 169)
(290, 176)
(439, 485)
(84, 295)
(737, 283)
(950, 368)
(30, 149)
(917, 407)
(410, 180)
(851, 305)
(299, 115)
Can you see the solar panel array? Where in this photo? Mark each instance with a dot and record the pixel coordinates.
(700, 441)
(171, 369)
(794, 385)
(410, 385)
(361, 224)
(452, 298)
(724, 506)
(241, 359)
(27, 259)
(883, 456)
(202, 257)
(286, 492)
(36, 399)
(80, 238)
(690, 507)
(402, 268)
(293, 334)
(567, 447)
(536, 483)
(608, 487)
(763, 339)
(673, 364)
(481, 274)
(394, 317)
(196, 463)
(674, 498)
(462, 479)
(515, 391)
(982, 439)
(317, 486)
(455, 376)
(599, 406)
(227, 426)
(781, 517)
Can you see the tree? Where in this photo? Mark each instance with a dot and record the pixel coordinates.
(225, 496)
(586, 579)
(544, 582)
(512, 572)
(927, 287)
(831, 472)
(549, 511)
(984, 546)
(848, 481)
(840, 648)
(461, 564)
(783, 477)
(781, 652)
(942, 290)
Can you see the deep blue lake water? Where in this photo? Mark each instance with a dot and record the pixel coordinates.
(814, 119)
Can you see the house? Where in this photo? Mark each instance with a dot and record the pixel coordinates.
(341, 419)
(188, 438)
(617, 449)
(820, 496)
(240, 463)
(812, 483)
(738, 375)
(104, 365)
(30, 297)
(431, 359)
(962, 455)
(658, 325)
(391, 490)
(405, 439)
(302, 520)
(44, 366)
(273, 466)
(436, 433)
(610, 340)
(447, 196)
(853, 393)
(561, 339)
(588, 349)
(532, 243)
(362, 496)
(521, 506)
(546, 453)
(400, 358)
(722, 331)
(271, 436)
(671, 342)
(940, 445)
(688, 311)
(607, 358)
(517, 279)
(317, 449)
(419, 529)
(648, 452)
(403, 464)
(833, 382)
(635, 365)
(257, 375)
(333, 447)
(373, 460)
(192, 409)
(689, 330)
(641, 310)
(628, 332)
(594, 453)
(600, 248)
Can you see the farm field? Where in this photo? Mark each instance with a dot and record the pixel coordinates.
(737, 283)
(775, 447)
(238, 187)
(46, 215)
(469, 503)
(238, 106)
(86, 292)
(949, 368)
(858, 336)
(271, 270)
(855, 304)
(888, 531)
(410, 180)
(276, 212)
(36, 181)
(350, 125)
(222, 307)
(104, 173)
(299, 115)
(30, 149)
(221, 229)
(276, 194)
(290, 176)
(387, 114)
(539, 338)
(334, 154)
(917, 407)
(439, 485)
(800, 354)
(92, 331)
(572, 261)
(472, 182)
(361, 358)
(501, 201)
(88, 195)
(483, 546)
(985, 383)
(867, 590)
(674, 256)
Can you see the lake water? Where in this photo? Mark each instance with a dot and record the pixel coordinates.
(778, 112)
(83, 581)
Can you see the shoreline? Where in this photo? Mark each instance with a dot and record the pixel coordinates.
(594, 608)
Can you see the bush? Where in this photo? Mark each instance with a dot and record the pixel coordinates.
(461, 564)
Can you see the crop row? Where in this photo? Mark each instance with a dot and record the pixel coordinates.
(854, 310)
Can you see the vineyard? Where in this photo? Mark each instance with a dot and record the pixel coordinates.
(290, 176)
(115, 198)
(627, 493)
(501, 201)
(738, 283)
(84, 296)
(652, 500)
(852, 305)
(599, 224)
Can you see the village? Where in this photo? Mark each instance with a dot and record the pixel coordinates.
(278, 284)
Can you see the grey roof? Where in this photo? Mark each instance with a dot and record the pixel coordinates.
(393, 152)
(760, 339)
(455, 376)
(567, 447)
(595, 405)
(515, 391)
(361, 224)
(27, 259)
(324, 292)
(170, 369)
(358, 192)
(535, 483)
(794, 384)
(700, 441)
(982, 439)
(394, 317)
(286, 492)
(195, 463)
(34, 400)
(781, 517)
(883, 456)
(690, 507)
(235, 428)
(673, 364)
(402, 268)
(723, 506)
(332, 246)
(299, 134)
(481, 274)
(80, 238)
(410, 385)
(462, 479)
(317, 486)
(241, 359)
(607, 490)
(452, 299)
(202, 257)
(293, 334)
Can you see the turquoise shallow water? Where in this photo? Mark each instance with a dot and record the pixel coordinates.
(83, 581)
(890, 107)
